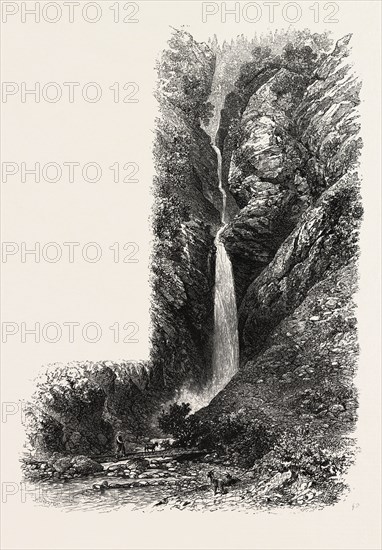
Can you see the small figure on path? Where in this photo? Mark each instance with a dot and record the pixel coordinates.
(120, 445)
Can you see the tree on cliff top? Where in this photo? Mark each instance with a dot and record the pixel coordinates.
(185, 75)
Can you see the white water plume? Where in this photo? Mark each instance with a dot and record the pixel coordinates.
(225, 358)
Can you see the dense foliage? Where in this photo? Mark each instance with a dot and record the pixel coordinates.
(179, 278)
(247, 439)
(78, 407)
(184, 77)
(261, 446)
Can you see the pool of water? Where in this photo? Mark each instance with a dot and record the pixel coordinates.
(79, 494)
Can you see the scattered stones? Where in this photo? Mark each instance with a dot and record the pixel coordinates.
(57, 467)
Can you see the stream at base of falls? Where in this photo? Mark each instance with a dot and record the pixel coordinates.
(187, 484)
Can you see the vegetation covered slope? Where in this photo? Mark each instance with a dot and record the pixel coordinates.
(291, 160)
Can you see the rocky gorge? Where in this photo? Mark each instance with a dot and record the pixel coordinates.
(288, 134)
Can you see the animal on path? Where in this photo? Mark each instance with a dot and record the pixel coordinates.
(150, 446)
(220, 484)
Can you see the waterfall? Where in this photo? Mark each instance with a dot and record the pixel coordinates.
(221, 189)
(225, 358)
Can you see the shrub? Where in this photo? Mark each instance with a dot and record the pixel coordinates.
(298, 453)
(174, 421)
(247, 439)
(188, 430)
(255, 442)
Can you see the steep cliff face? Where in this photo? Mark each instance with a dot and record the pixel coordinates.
(231, 114)
(183, 265)
(264, 175)
(327, 120)
(324, 240)
(186, 217)
(266, 149)
(296, 137)
(294, 247)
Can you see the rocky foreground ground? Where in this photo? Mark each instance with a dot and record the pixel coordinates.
(162, 482)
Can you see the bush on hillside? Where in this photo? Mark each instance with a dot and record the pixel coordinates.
(249, 440)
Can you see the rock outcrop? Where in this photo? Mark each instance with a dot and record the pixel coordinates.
(296, 137)
(325, 239)
(78, 407)
(294, 248)
(257, 231)
(327, 120)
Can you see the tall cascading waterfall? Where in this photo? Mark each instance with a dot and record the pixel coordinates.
(225, 358)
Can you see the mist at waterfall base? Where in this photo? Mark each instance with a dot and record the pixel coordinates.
(225, 356)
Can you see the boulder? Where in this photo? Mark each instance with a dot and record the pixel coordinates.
(62, 464)
(276, 482)
(84, 465)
